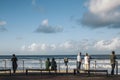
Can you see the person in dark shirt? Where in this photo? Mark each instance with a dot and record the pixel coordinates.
(53, 64)
(14, 63)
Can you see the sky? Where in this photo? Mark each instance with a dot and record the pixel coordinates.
(58, 27)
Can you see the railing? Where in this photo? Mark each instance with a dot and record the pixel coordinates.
(40, 64)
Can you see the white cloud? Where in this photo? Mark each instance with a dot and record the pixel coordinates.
(108, 45)
(102, 13)
(2, 23)
(45, 22)
(37, 7)
(75, 46)
(46, 28)
(103, 6)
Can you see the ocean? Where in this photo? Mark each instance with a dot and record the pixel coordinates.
(38, 61)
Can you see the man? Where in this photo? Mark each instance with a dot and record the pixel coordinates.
(53, 64)
(79, 61)
(14, 63)
(113, 60)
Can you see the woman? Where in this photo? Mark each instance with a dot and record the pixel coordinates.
(87, 61)
(47, 64)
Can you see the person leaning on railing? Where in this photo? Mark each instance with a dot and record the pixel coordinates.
(53, 64)
(79, 61)
(112, 60)
(47, 64)
(14, 63)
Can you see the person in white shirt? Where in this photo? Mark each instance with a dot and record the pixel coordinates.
(79, 61)
(87, 62)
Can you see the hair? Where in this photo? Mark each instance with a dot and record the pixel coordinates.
(113, 52)
(79, 53)
(13, 54)
(48, 59)
(86, 54)
(53, 59)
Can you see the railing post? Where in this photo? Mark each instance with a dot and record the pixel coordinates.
(5, 64)
(116, 67)
(40, 63)
(59, 65)
(23, 66)
(67, 68)
(95, 64)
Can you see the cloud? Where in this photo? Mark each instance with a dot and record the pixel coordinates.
(37, 7)
(45, 28)
(2, 29)
(33, 2)
(108, 45)
(75, 46)
(2, 24)
(102, 13)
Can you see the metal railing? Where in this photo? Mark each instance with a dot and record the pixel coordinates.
(40, 63)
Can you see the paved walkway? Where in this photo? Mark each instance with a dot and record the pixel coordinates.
(22, 76)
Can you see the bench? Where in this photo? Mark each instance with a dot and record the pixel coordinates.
(6, 70)
(41, 70)
(91, 70)
(106, 71)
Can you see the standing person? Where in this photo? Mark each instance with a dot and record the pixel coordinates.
(53, 64)
(89, 57)
(87, 61)
(113, 60)
(47, 63)
(14, 63)
(79, 61)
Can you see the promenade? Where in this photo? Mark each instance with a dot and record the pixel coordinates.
(70, 76)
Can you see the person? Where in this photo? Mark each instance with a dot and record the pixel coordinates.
(65, 61)
(47, 63)
(53, 64)
(89, 57)
(14, 63)
(112, 60)
(79, 61)
(87, 61)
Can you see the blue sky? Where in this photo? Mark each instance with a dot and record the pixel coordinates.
(43, 27)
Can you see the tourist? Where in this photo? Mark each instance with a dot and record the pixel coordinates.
(112, 60)
(14, 63)
(87, 62)
(79, 61)
(53, 64)
(47, 64)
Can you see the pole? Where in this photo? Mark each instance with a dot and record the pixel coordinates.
(40, 63)
(23, 65)
(5, 64)
(116, 67)
(59, 65)
(95, 66)
(67, 68)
